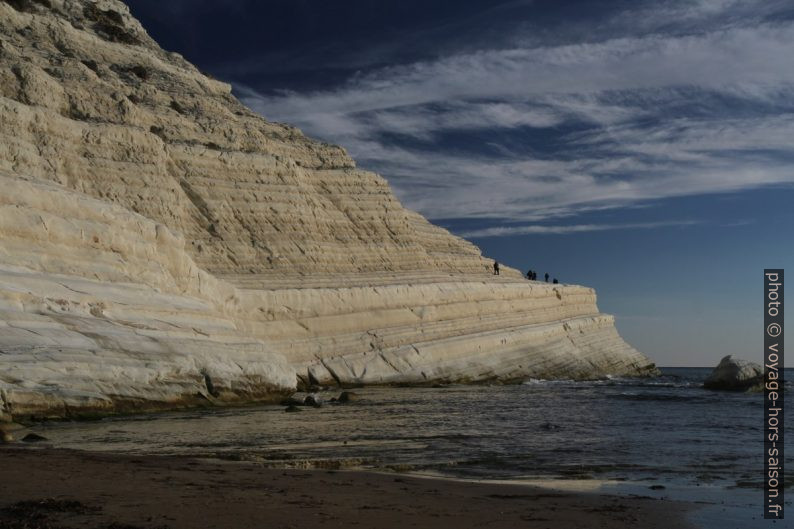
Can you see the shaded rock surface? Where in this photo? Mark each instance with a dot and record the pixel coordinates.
(161, 246)
(348, 396)
(734, 374)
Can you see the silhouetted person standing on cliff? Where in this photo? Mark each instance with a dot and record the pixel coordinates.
(496, 268)
(547, 277)
(529, 275)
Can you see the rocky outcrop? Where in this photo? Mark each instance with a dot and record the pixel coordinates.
(735, 374)
(161, 245)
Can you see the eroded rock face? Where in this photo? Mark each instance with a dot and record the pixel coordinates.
(735, 374)
(161, 245)
(127, 122)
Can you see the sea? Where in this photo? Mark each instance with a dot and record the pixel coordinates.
(663, 437)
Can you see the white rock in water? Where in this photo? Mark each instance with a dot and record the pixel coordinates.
(161, 245)
(734, 374)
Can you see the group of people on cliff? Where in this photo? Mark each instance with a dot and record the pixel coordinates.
(531, 274)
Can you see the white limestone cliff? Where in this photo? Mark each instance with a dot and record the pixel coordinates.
(161, 245)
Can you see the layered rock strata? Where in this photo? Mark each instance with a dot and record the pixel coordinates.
(162, 245)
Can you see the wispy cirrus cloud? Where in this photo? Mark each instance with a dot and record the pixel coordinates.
(538, 131)
(505, 231)
(759, 56)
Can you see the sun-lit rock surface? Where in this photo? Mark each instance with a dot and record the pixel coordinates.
(162, 245)
(735, 374)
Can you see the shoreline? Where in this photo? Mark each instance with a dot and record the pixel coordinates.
(57, 488)
(134, 407)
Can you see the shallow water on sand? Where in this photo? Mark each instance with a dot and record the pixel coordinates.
(661, 437)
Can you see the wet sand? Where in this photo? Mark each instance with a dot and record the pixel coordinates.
(45, 488)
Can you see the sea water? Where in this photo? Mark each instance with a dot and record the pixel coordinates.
(664, 437)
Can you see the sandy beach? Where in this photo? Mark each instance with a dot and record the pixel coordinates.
(52, 489)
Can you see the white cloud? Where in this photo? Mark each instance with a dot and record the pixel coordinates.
(503, 231)
(639, 124)
(761, 55)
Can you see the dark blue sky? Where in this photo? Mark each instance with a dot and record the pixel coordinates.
(640, 147)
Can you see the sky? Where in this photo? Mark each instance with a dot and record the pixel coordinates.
(644, 148)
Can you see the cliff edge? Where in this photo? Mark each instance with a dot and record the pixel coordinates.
(161, 245)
